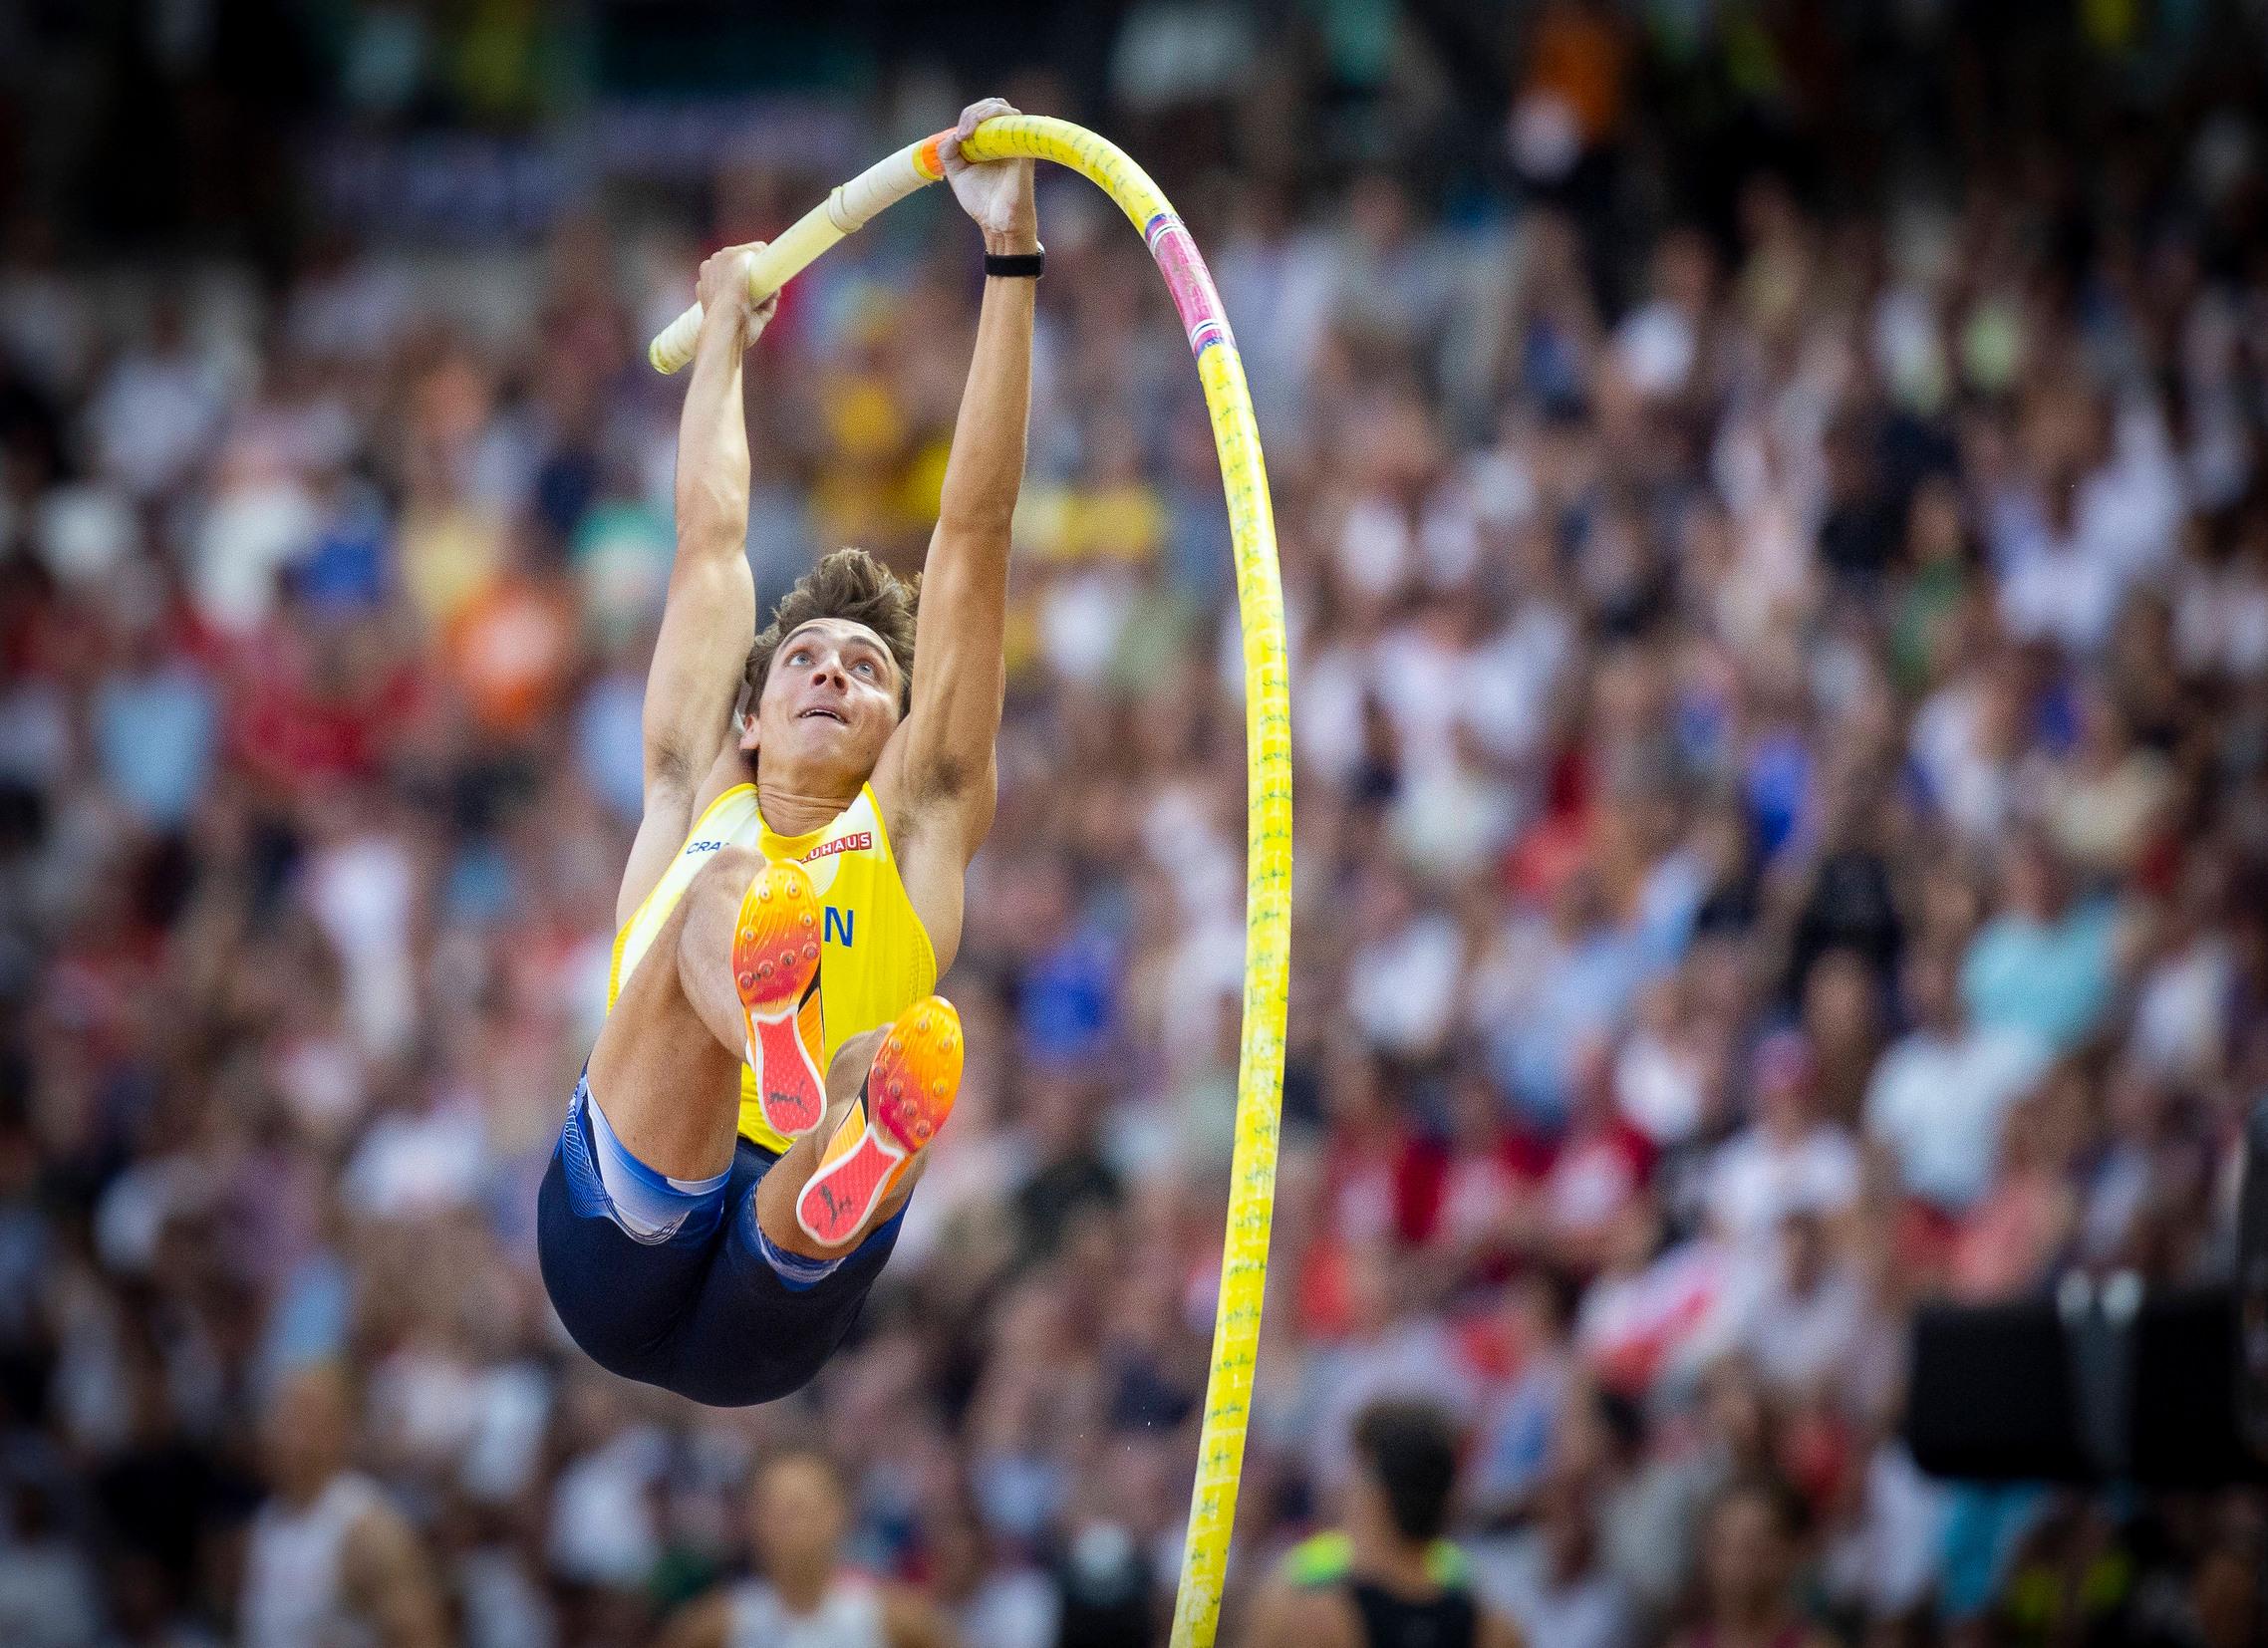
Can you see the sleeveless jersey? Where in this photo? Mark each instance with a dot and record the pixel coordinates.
(1447, 1619)
(875, 959)
(849, 1616)
(294, 1590)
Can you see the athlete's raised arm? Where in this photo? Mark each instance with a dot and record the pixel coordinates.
(710, 617)
(941, 761)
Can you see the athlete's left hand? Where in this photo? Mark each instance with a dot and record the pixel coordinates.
(997, 193)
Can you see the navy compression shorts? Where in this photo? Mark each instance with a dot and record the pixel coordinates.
(669, 1282)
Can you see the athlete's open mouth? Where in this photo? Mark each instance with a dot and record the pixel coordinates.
(820, 709)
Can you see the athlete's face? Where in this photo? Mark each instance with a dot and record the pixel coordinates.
(829, 703)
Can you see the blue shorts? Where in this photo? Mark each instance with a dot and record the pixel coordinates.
(672, 1285)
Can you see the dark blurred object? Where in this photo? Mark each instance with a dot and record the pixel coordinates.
(2105, 1384)
(1105, 1591)
(2252, 1319)
(2038, 1393)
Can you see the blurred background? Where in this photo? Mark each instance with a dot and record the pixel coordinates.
(1773, 510)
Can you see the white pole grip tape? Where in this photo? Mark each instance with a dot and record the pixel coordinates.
(673, 345)
(846, 210)
(888, 180)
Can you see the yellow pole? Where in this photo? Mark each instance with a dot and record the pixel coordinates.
(1267, 760)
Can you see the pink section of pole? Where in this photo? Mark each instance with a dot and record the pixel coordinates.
(1196, 299)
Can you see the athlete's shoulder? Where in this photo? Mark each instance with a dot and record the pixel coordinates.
(1448, 1565)
(1320, 1559)
(1288, 1614)
(731, 813)
(1327, 1558)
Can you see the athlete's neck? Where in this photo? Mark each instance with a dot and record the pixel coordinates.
(1396, 1564)
(792, 802)
(792, 811)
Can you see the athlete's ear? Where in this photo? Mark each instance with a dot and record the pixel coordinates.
(745, 717)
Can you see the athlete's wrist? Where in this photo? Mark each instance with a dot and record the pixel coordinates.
(1016, 243)
(721, 335)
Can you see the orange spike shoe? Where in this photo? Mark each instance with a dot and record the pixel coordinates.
(908, 1094)
(775, 958)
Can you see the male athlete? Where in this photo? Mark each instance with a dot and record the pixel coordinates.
(1388, 1579)
(715, 1210)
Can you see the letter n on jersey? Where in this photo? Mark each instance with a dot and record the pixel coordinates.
(839, 922)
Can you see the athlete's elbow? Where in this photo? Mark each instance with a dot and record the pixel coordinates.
(710, 533)
(713, 513)
(981, 523)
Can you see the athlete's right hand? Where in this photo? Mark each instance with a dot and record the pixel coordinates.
(723, 292)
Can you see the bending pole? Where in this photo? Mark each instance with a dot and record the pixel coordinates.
(1268, 752)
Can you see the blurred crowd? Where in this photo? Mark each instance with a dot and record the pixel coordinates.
(1780, 696)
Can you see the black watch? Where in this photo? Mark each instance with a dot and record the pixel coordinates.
(1017, 265)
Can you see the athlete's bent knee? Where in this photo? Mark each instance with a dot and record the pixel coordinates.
(726, 876)
(712, 902)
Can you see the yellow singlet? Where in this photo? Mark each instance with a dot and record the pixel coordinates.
(875, 959)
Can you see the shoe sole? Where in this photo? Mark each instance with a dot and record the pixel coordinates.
(907, 1093)
(775, 958)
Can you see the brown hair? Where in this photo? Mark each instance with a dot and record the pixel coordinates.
(1409, 1448)
(848, 584)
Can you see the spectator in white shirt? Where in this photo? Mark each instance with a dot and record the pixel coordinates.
(158, 408)
(1808, 1319)
(1787, 1159)
(1938, 1096)
(1550, 1578)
